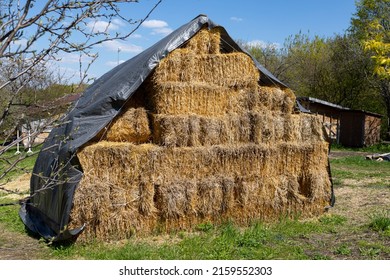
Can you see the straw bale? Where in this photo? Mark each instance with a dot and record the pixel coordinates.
(127, 162)
(176, 199)
(108, 210)
(171, 131)
(275, 99)
(131, 188)
(176, 98)
(215, 197)
(131, 126)
(184, 204)
(231, 69)
(254, 196)
(265, 127)
(193, 130)
(205, 41)
(214, 100)
(292, 128)
(311, 127)
(315, 184)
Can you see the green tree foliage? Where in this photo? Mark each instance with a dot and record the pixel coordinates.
(335, 69)
(307, 70)
(371, 25)
(270, 56)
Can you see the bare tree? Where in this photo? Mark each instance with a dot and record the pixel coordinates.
(25, 23)
(61, 26)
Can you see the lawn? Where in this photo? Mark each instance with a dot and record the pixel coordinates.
(358, 227)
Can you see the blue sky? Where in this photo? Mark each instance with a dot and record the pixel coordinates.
(247, 20)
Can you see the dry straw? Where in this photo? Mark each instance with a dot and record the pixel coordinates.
(219, 147)
(178, 98)
(231, 70)
(205, 41)
(265, 127)
(131, 126)
(184, 186)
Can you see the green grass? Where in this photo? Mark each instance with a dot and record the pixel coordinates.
(25, 165)
(9, 218)
(343, 249)
(283, 239)
(357, 167)
(279, 240)
(377, 148)
(372, 250)
(380, 222)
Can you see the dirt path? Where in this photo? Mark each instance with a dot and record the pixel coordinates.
(15, 245)
(355, 240)
(18, 246)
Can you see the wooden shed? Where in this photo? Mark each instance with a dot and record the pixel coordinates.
(345, 126)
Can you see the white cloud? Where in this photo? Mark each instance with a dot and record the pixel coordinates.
(262, 44)
(135, 36)
(103, 26)
(154, 23)
(237, 19)
(163, 31)
(123, 47)
(118, 22)
(159, 27)
(70, 58)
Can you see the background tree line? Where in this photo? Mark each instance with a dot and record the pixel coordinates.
(351, 69)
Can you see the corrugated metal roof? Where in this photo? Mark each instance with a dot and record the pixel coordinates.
(335, 106)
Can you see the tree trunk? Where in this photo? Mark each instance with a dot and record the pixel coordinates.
(385, 92)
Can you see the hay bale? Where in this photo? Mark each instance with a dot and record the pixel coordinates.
(108, 211)
(112, 200)
(224, 148)
(266, 98)
(311, 128)
(228, 70)
(292, 128)
(131, 188)
(130, 126)
(205, 41)
(171, 131)
(126, 163)
(194, 130)
(266, 127)
(173, 98)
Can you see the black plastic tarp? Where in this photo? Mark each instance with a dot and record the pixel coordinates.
(57, 173)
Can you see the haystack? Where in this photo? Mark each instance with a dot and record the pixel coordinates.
(205, 142)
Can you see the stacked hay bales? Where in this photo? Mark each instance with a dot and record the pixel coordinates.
(204, 142)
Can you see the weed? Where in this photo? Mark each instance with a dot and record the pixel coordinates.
(380, 221)
(343, 249)
(205, 227)
(370, 252)
(332, 220)
(320, 257)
